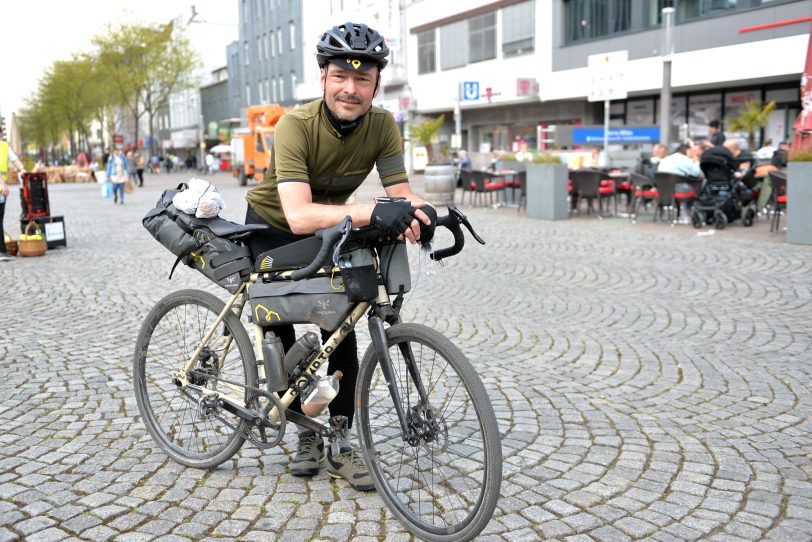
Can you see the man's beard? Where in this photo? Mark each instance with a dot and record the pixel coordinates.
(346, 98)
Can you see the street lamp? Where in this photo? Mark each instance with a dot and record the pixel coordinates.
(667, 53)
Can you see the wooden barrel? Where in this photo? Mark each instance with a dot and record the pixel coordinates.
(439, 183)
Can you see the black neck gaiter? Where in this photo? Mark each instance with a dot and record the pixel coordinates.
(342, 127)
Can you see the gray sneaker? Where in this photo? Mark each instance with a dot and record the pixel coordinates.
(350, 466)
(309, 453)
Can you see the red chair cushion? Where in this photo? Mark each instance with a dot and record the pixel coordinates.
(607, 182)
(781, 199)
(646, 193)
(685, 195)
(624, 185)
(605, 190)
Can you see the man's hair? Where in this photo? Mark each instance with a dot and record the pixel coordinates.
(715, 123)
(683, 148)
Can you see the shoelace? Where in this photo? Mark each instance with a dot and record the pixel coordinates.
(306, 445)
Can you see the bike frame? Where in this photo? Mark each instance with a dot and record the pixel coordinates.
(377, 332)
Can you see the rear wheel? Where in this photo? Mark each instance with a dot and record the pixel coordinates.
(189, 426)
(444, 484)
(749, 216)
(698, 219)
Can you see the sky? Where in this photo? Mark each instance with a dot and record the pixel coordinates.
(36, 33)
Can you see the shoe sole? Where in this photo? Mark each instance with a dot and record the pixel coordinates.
(357, 487)
(307, 472)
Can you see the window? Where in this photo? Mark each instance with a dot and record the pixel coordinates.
(273, 49)
(259, 48)
(278, 40)
(246, 52)
(482, 37)
(518, 22)
(281, 89)
(426, 51)
(451, 54)
(292, 35)
(585, 19)
(293, 84)
(273, 90)
(248, 94)
(262, 92)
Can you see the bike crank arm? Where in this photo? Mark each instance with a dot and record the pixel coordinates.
(229, 405)
(378, 335)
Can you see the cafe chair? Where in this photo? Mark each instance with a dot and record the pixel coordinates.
(484, 185)
(778, 180)
(467, 185)
(643, 192)
(586, 184)
(671, 199)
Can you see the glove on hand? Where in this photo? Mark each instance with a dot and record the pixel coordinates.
(427, 232)
(392, 217)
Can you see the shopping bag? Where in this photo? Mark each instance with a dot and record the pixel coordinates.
(107, 189)
(128, 186)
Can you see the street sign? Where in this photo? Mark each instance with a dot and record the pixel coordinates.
(616, 135)
(607, 76)
(469, 91)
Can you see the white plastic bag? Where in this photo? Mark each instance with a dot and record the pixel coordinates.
(201, 199)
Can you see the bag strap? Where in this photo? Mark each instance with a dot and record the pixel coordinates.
(233, 254)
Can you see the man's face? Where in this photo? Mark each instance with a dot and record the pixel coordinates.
(348, 94)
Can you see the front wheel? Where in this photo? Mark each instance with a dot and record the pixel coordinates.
(187, 421)
(444, 485)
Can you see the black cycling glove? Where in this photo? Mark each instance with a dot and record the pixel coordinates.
(427, 231)
(392, 217)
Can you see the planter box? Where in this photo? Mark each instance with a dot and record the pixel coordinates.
(799, 202)
(547, 191)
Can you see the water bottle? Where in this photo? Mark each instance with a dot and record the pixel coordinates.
(325, 391)
(301, 349)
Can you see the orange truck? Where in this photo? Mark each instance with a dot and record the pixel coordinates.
(251, 147)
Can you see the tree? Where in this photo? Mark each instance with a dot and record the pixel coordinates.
(425, 132)
(144, 65)
(750, 118)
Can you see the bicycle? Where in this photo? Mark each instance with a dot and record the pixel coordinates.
(427, 431)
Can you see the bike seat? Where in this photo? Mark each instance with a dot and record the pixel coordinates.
(225, 228)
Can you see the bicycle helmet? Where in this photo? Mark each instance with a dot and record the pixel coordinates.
(353, 42)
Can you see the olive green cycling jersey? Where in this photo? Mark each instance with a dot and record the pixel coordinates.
(308, 149)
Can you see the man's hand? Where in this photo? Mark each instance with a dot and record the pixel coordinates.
(394, 218)
(4, 189)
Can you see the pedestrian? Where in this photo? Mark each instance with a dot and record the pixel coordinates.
(117, 173)
(154, 163)
(140, 164)
(131, 167)
(323, 151)
(7, 157)
(209, 163)
(717, 136)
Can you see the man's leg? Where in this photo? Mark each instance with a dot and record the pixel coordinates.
(2, 234)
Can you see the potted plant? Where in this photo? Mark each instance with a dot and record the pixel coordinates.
(799, 197)
(546, 187)
(440, 178)
(750, 118)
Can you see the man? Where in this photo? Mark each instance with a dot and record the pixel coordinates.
(648, 164)
(322, 152)
(717, 136)
(6, 156)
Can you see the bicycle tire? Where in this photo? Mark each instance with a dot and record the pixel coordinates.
(471, 433)
(169, 335)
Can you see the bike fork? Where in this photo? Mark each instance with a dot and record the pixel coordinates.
(378, 335)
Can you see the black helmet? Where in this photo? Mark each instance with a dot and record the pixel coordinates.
(352, 40)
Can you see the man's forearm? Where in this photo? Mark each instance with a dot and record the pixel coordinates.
(306, 218)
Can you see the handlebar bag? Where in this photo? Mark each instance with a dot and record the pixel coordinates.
(321, 301)
(395, 267)
(221, 260)
(357, 265)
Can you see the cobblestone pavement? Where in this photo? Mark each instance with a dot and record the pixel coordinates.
(650, 384)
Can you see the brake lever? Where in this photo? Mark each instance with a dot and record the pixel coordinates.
(346, 228)
(462, 219)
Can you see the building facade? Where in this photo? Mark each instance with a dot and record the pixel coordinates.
(525, 64)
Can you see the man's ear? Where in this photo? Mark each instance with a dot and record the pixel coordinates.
(377, 84)
(323, 77)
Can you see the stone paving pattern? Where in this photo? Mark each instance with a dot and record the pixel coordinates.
(650, 384)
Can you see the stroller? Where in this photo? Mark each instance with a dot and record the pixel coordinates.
(724, 197)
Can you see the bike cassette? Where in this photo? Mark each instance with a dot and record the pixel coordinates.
(207, 406)
(265, 434)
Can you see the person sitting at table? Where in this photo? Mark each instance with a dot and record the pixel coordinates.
(744, 159)
(648, 164)
(596, 159)
(781, 155)
(681, 162)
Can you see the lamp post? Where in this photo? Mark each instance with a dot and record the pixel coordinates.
(665, 94)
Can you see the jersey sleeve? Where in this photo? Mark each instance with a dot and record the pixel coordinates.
(290, 150)
(389, 164)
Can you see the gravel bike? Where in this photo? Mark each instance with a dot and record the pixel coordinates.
(426, 427)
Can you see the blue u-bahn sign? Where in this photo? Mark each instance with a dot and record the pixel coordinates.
(616, 135)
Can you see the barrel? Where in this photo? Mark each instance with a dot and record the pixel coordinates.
(439, 183)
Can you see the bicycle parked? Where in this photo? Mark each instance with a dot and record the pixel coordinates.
(427, 429)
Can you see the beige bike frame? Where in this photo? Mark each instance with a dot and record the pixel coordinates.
(346, 326)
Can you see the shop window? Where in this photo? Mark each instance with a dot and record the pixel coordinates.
(482, 37)
(426, 51)
(518, 30)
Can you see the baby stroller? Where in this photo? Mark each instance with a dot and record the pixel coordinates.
(724, 197)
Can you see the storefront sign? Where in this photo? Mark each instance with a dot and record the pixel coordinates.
(527, 87)
(607, 79)
(616, 135)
